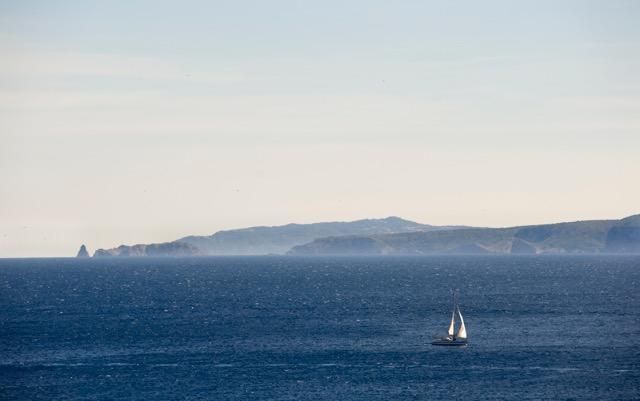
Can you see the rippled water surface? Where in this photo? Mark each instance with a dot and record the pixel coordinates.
(276, 328)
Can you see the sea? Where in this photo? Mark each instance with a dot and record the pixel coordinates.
(341, 328)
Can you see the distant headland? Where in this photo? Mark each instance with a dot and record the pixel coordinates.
(397, 236)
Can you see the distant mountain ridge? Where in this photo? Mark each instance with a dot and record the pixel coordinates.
(587, 237)
(396, 236)
(268, 240)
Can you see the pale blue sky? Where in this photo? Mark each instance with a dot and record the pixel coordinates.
(143, 121)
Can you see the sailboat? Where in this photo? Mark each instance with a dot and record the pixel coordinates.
(453, 339)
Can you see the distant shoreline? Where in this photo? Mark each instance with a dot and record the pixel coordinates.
(396, 236)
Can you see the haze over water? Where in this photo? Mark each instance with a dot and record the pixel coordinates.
(286, 328)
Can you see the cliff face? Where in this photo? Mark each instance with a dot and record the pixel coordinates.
(82, 253)
(624, 237)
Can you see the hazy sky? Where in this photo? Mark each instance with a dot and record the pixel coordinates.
(144, 121)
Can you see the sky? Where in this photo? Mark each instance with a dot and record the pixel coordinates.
(146, 121)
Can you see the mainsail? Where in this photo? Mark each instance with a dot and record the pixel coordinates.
(453, 322)
(462, 333)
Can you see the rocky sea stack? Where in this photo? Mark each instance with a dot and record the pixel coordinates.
(82, 253)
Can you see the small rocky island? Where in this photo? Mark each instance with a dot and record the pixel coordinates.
(82, 253)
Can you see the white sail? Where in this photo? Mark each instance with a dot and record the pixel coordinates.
(453, 322)
(462, 333)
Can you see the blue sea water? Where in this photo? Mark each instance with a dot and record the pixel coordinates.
(286, 328)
